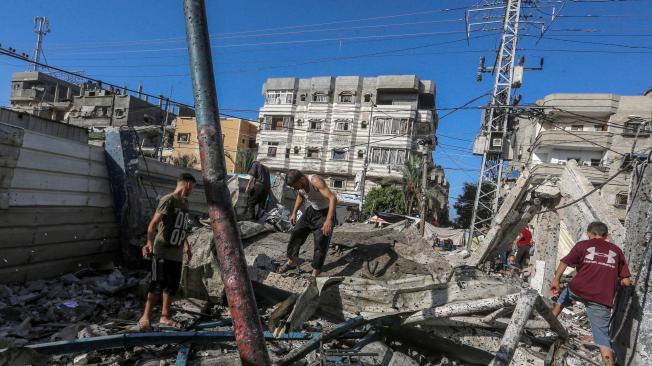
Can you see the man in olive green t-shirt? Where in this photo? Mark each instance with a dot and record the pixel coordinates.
(166, 244)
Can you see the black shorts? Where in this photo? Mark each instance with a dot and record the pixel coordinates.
(166, 275)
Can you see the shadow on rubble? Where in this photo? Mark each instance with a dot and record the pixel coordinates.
(371, 261)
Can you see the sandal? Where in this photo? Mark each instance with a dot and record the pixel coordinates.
(172, 324)
(140, 327)
(286, 267)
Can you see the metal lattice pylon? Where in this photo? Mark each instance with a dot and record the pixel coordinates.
(494, 129)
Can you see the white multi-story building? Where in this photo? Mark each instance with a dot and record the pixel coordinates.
(599, 131)
(322, 125)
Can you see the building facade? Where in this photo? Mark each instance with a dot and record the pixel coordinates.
(42, 95)
(239, 137)
(599, 131)
(323, 124)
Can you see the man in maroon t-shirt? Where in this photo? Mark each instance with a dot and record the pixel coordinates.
(600, 267)
(523, 245)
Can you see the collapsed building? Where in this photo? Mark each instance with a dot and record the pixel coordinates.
(387, 296)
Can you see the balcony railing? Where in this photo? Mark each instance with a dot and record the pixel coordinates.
(586, 140)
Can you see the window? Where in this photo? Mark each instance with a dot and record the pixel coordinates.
(600, 128)
(360, 154)
(296, 150)
(577, 128)
(314, 124)
(631, 128)
(578, 160)
(339, 154)
(303, 97)
(287, 153)
(252, 143)
(320, 98)
(312, 152)
(338, 183)
(367, 98)
(16, 86)
(595, 162)
(277, 123)
(279, 97)
(621, 200)
(271, 151)
(342, 125)
(119, 113)
(346, 97)
(183, 138)
(387, 156)
(390, 126)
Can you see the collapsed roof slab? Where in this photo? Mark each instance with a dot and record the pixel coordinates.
(574, 186)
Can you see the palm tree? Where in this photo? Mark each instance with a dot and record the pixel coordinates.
(412, 179)
(244, 160)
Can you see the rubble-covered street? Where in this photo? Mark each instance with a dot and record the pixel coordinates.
(386, 294)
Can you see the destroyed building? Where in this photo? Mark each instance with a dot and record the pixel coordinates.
(322, 125)
(601, 132)
(42, 95)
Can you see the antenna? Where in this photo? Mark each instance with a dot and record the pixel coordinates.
(41, 28)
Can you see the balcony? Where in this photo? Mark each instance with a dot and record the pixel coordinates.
(595, 105)
(23, 94)
(574, 140)
(595, 174)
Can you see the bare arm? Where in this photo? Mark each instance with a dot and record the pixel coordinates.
(251, 180)
(625, 282)
(555, 282)
(323, 189)
(297, 204)
(151, 233)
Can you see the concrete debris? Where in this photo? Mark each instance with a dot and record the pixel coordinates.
(386, 296)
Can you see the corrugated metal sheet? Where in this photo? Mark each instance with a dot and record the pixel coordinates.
(58, 212)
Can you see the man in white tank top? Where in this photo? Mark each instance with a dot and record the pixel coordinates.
(318, 219)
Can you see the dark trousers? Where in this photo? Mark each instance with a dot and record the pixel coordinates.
(522, 255)
(257, 197)
(311, 221)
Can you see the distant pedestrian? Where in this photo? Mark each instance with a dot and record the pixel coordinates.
(319, 218)
(166, 245)
(258, 188)
(601, 268)
(523, 245)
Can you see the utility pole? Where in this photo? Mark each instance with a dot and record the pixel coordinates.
(41, 28)
(164, 126)
(495, 127)
(363, 180)
(230, 255)
(426, 143)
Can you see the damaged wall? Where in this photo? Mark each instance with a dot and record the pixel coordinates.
(56, 209)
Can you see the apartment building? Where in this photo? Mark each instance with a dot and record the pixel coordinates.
(41, 95)
(239, 137)
(322, 125)
(599, 131)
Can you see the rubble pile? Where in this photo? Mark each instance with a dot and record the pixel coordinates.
(385, 296)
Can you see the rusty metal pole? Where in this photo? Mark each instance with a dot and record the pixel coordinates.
(239, 292)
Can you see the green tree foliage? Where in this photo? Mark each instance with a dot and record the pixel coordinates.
(464, 205)
(244, 159)
(385, 199)
(186, 161)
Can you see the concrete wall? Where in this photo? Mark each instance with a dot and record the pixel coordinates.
(56, 209)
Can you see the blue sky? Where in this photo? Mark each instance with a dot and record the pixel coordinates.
(595, 47)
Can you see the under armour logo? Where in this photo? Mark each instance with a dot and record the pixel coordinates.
(611, 257)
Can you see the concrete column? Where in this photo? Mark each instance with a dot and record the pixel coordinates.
(544, 261)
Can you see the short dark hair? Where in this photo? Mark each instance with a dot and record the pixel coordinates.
(598, 228)
(292, 177)
(187, 177)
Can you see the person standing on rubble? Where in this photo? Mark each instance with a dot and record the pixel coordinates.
(601, 267)
(258, 191)
(319, 218)
(523, 246)
(166, 245)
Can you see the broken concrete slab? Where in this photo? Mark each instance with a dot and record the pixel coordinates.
(385, 356)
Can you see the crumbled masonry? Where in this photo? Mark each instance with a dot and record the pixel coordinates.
(386, 295)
